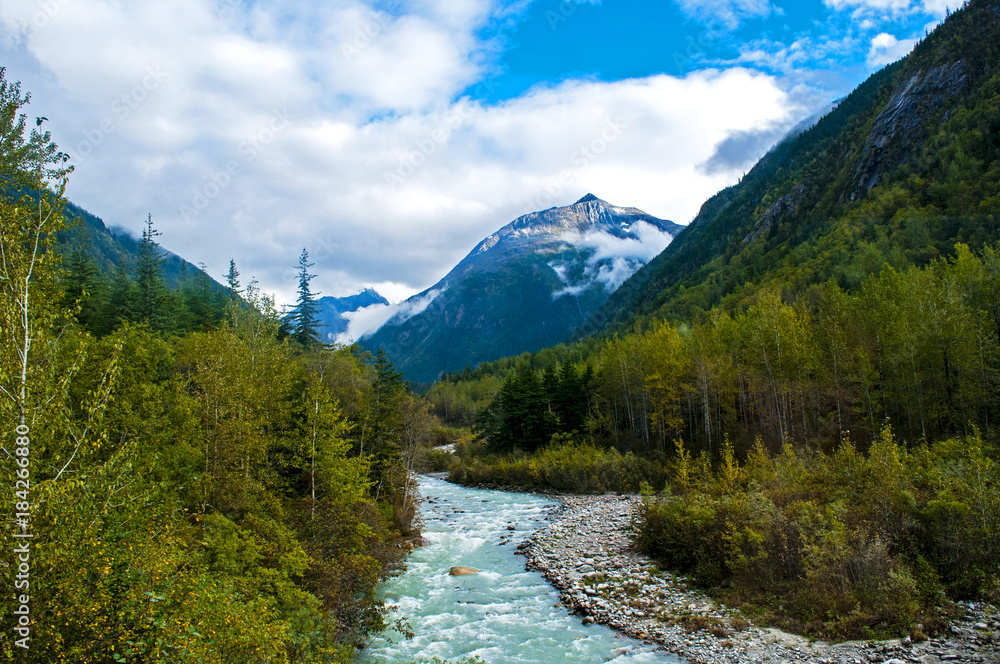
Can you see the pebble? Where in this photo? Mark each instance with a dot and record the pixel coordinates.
(587, 554)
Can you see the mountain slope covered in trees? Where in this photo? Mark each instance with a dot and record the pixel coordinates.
(106, 247)
(902, 169)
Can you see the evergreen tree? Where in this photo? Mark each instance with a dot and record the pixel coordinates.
(203, 310)
(84, 289)
(151, 295)
(118, 304)
(571, 399)
(389, 391)
(519, 416)
(304, 319)
(233, 280)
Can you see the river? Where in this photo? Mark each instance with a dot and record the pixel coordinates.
(503, 614)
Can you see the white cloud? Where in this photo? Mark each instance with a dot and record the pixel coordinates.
(940, 8)
(727, 13)
(368, 320)
(877, 6)
(365, 321)
(613, 259)
(886, 48)
(250, 134)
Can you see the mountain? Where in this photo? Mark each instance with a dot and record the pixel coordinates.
(902, 169)
(106, 246)
(525, 287)
(332, 322)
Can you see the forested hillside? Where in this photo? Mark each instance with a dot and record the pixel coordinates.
(106, 248)
(179, 491)
(904, 167)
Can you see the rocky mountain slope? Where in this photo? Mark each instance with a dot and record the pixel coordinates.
(332, 322)
(526, 286)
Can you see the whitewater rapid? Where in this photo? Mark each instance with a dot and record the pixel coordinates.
(503, 614)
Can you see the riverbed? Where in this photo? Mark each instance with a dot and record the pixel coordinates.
(501, 614)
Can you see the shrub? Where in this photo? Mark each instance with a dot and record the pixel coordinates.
(840, 546)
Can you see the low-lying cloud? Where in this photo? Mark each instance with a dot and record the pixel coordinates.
(368, 320)
(612, 259)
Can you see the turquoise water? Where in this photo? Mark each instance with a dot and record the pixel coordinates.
(503, 614)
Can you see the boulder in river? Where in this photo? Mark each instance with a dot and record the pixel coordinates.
(462, 571)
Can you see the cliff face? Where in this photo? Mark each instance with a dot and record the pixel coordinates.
(904, 120)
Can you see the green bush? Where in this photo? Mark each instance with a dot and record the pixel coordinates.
(846, 545)
(563, 465)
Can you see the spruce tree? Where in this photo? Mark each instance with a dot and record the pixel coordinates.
(233, 281)
(84, 290)
(202, 312)
(151, 295)
(304, 317)
(118, 305)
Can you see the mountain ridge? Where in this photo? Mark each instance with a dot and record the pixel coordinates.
(523, 287)
(331, 310)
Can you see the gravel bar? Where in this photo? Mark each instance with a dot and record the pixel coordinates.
(588, 555)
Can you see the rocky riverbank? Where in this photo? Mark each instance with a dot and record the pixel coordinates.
(588, 555)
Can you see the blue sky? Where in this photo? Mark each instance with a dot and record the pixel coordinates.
(388, 137)
(557, 40)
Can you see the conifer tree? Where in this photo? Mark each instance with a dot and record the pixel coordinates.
(233, 280)
(118, 305)
(83, 290)
(304, 319)
(151, 295)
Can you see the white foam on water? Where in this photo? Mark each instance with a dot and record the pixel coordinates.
(503, 614)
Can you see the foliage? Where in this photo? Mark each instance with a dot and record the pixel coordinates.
(837, 545)
(136, 290)
(214, 495)
(303, 319)
(565, 465)
(920, 346)
(528, 409)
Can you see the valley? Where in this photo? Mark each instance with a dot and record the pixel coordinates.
(769, 435)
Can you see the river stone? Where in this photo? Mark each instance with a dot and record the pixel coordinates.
(462, 571)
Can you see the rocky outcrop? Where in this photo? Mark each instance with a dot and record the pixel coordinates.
(789, 203)
(902, 122)
(587, 554)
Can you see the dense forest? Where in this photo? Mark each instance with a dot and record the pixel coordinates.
(920, 348)
(184, 481)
